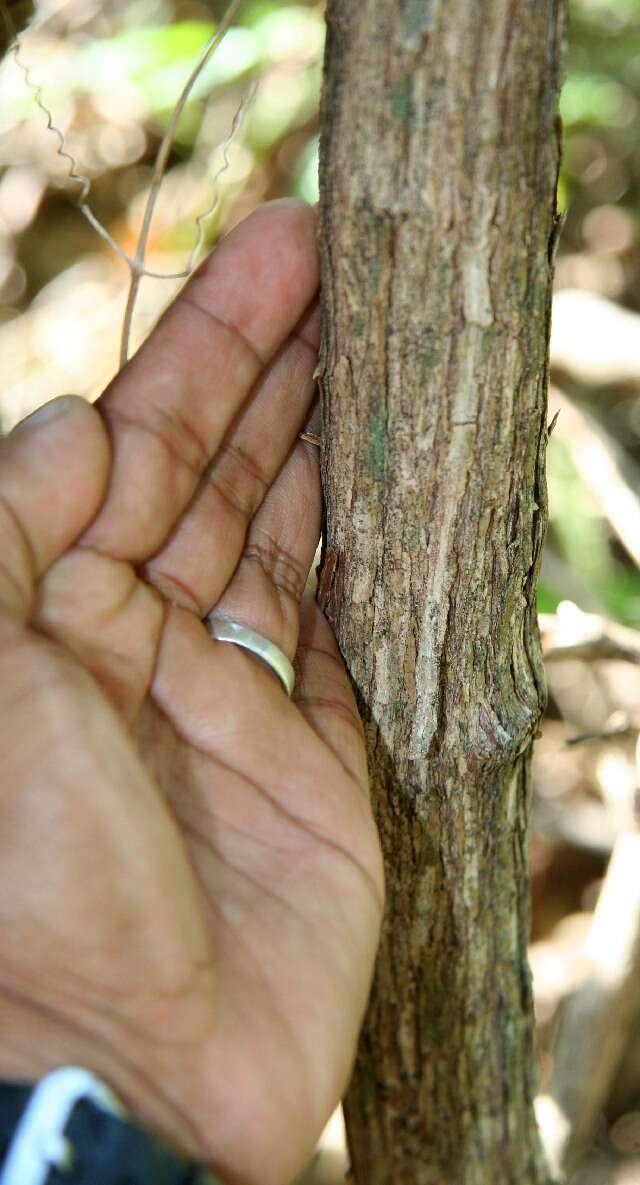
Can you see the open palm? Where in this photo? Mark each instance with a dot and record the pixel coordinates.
(190, 878)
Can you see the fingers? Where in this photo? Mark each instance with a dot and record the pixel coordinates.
(324, 695)
(172, 406)
(53, 476)
(232, 704)
(270, 579)
(194, 568)
(233, 708)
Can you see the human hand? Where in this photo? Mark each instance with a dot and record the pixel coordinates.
(190, 876)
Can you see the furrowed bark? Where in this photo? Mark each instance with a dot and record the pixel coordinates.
(438, 222)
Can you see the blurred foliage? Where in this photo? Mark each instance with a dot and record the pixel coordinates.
(581, 533)
(600, 252)
(152, 62)
(600, 109)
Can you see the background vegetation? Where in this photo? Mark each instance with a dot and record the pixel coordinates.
(110, 75)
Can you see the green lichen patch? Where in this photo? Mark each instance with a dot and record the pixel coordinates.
(417, 18)
(401, 99)
(378, 445)
(427, 360)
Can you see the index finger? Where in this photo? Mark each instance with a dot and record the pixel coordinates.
(170, 407)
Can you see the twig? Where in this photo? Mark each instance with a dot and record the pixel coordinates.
(573, 634)
(326, 577)
(246, 101)
(596, 1020)
(236, 123)
(553, 423)
(137, 263)
(36, 90)
(625, 727)
(72, 164)
(594, 340)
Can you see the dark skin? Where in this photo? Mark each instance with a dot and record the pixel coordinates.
(191, 880)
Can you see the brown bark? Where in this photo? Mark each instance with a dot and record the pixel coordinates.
(438, 173)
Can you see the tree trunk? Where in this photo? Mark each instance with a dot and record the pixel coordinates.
(438, 222)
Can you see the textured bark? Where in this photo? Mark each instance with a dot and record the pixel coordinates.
(438, 221)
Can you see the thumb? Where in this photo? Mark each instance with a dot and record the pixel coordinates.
(54, 469)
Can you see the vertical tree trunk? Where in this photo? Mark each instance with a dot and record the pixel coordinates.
(438, 176)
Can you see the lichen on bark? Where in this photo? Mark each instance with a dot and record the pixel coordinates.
(439, 162)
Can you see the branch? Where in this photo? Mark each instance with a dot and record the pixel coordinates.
(570, 633)
(236, 123)
(137, 263)
(597, 1020)
(245, 102)
(72, 164)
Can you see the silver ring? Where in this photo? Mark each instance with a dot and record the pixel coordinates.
(268, 652)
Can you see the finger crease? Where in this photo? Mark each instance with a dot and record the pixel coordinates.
(169, 586)
(29, 555)
(230, 498)
(194, 457)
(215, 850)
(201, 447)
(304, 824)
(233, 330)
(237, 461)
(280, 566)
(12, 581)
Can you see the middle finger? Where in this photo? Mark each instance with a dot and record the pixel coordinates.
(172, 405)
(196, 564)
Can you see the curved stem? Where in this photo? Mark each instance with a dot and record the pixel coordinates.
(137, 263)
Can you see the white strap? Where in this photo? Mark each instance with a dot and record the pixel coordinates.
(39, 1141)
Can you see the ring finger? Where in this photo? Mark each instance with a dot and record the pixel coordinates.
(229, 690)
(267, 586)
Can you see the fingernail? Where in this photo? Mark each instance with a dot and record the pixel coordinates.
(48, 411)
